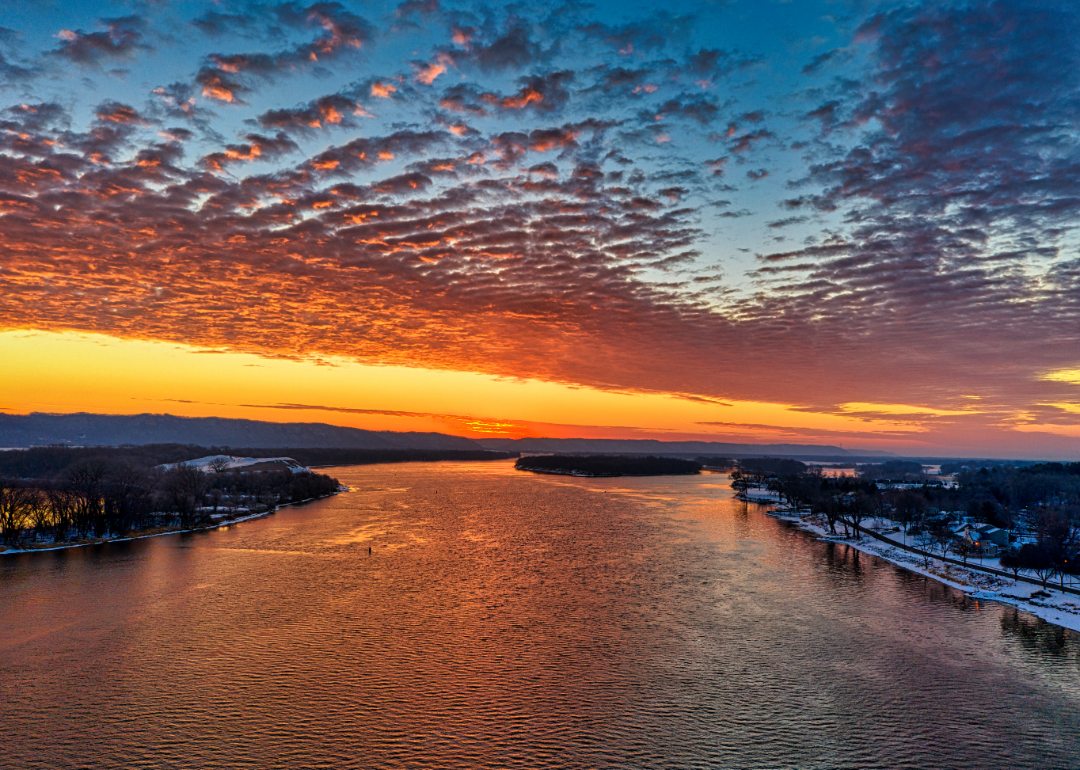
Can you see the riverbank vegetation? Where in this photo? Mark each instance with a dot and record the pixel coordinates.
(52, 461)
(607, 465)
(84, 495)
(1026, 519)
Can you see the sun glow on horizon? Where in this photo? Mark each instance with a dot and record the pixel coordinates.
(68, 372)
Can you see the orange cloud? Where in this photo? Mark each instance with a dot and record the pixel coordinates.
(215, 88)
(382, 90)
(427, 73)
(522, 100)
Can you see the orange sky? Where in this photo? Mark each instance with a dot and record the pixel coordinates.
(579, 219)
(69, 372)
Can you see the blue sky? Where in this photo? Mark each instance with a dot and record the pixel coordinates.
(765, 47)
(880, 196)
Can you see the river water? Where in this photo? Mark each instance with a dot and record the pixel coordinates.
(505, 619)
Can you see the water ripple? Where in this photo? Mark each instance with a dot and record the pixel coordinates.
(517, 621)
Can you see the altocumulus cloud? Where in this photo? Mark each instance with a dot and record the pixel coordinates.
(531, 194)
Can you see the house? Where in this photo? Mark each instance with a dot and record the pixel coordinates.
(982, 539)
(999, 537)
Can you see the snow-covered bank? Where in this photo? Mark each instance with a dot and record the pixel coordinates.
(207, 528)
(1051, 605)
(223, 463)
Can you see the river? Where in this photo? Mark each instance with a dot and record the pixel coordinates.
(505, 619)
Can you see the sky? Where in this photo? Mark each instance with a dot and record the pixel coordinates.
(839, 222)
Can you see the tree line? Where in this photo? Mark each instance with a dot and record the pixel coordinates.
(608, 465)
(1039, 503)
(53, 461)
(99, 497)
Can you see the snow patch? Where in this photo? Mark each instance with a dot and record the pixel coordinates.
(223, 463)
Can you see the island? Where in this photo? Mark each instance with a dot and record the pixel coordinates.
(61, 496)
(607, 465)
(52, 497)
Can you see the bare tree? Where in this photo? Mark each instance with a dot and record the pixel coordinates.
(738, 481)
(127, 496)
(1058, 529)
(220, 464)
(1011, 561)
(62, 512)
(14, 512)
(857, 509)
(185, 487)
(1037, 558)
(833, 508)
(41, 514)
(85, 481)
(908, 508)
(964, 549)
(942, 537)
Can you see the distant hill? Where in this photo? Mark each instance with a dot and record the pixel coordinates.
(82, 429)
(654, 447)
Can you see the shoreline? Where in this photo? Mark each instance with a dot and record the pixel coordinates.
(128, 538)
(1059, 608)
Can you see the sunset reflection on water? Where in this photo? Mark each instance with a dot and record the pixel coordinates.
(507, 619)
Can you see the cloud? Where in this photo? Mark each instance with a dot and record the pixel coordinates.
(787, 222)
(537, 93)
(696, 108)
(338, 32)
(806, 433)
(826, 113)
(747, 141)
(956, 182)
(469, 421)
(12, 74)
(121, 39)
(513, 50)
(514, 210)
(257, 147)
(35, 117)
(540, 92)
(427, 72)
(218, 85)
(366, 152)
(123, 114)
(417, 9)
(711, 63)
(403, 184)
(623, 79)
(822, 60)
(645, 35)
(332, 111)
(217, 24)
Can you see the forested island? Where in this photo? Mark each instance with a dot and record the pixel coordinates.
(607, 465)
(55, 496)
(48, 461)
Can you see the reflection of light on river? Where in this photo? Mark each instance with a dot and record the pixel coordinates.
(504, 618)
